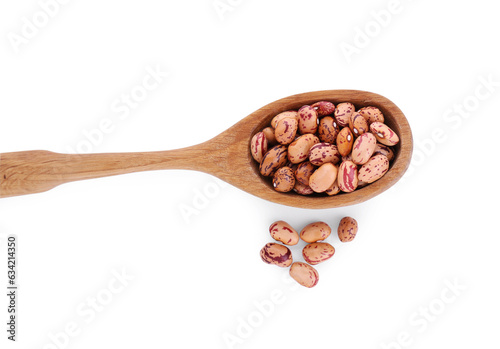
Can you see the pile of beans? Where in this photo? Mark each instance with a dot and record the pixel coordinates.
(316, 251)
(323, 148)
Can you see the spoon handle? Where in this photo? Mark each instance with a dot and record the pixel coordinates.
(35, 171)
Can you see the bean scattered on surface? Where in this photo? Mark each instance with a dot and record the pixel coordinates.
(315, 251)
(304, 274)
(347, 230)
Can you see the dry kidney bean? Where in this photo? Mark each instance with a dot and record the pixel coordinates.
(269, 133)
(272, 160)
(283, 232)
(324, 108)
(276, 254)
(334, 189)
(343, 113)
(313, 252)
(304, 274)
(372, 114)
(373, 169)
(285, 131)
(302, 189)
(358, 124)
(323, 178)
(317, 252)
(315, 138)
(298, 151)
(315, 232)
(347, 230)
(384, 134)
(304, 171)
(323, 153)
(258, 146)
(345, 140)
(308, 119)
(363, 148)
(328, 130)
(348, 176)
(283, 179)
(283, 115)
(381, 149)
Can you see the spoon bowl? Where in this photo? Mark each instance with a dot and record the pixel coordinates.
(226, 156)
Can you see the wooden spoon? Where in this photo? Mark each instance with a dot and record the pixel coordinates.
(226, 156)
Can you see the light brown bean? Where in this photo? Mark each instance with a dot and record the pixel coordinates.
(345, 140)
(275, 158)
(328, 130)
(348, 176)
(285, 131)
(304, 171)
(323, 178)
(298, 150)
(276, 254)
(304, 274)
(317, 252)
(258, 146)
(374, 169)
(384, 134)
(347, 230)
(363, 148)
(322, 153)
(283, 232)
(315, 232)
(308, 119)
(283, 179)
(283, 115)
(343, 113)
(358, 124)
(324, 108)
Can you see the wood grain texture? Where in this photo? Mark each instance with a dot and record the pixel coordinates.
(227, 156)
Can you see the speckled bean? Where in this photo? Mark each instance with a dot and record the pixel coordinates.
(272, 160)
(308, 120)
(385, 150)
(348, 176)
(324, 108)
(322, 153)
(315, 232)
(347, 230)
(283, 179)
(304, 171)
(328, 129)
(317, 252)
(358, 124)
(285, 114)
(258, 146)
(269, 133)
(363, 148)
(283, 232)
(372, 114)
(298, 150)
(345, 140)
(374, 169)
(276, 254)
(304, 274)
(302, 189)
(286, 129)
(334, 189)
(384, 134)
(343, 113)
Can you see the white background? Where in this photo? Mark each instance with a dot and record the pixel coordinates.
(196, 279)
